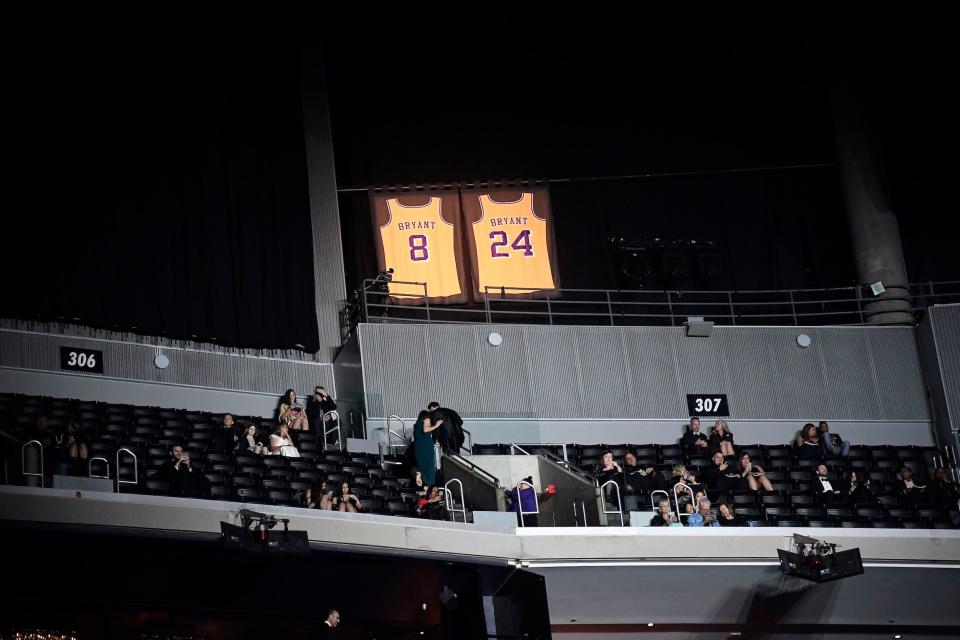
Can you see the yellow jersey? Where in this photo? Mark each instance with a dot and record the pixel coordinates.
(419, 245)
(512, 249)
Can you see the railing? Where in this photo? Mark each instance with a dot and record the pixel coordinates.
(619, 510)
(451, 503)
(583, 511)
(335, 418)
(536, 502)
(519, 446)
(23, 460)
(489, 477)
(136, 472)
(106, 466)
(854, 305)
(676, 500)
(569, 466)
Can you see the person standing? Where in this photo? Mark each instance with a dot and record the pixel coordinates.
(423, 447)
(451, 435)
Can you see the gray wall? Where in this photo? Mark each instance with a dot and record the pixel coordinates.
(214, 380)
(940, 343)
(629, 384)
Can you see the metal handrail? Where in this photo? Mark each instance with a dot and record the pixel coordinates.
(326, 432)
(569, 466)
(619, 511)
(583, 509)
(136, 473)
(478, 470)
(676, 500)
(23, 460)
(90, 473)
(844, 305)
(437, 454)
(536, 502)
(518, 448)
(450, 503)
(562, 445)
(403, 427)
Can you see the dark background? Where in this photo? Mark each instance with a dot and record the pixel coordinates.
(159, 175)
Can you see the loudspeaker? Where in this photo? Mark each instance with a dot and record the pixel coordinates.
(699, 328)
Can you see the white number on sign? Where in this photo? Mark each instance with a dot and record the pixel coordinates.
(707, 405)
(82, 360)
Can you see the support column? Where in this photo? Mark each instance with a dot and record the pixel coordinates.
(328, 269)
(877, 252)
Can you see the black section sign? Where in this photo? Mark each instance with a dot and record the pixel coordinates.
(707, 404)
(86, 360)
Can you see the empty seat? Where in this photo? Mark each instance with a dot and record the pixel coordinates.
(248, 493)
(821, 523)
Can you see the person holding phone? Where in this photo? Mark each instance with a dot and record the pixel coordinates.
(753, 475)
(704, 516)
(318, 496)
(346, 501)
(292, 413)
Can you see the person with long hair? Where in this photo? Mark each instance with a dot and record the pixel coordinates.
(292, 413)
(808, 443)
(318, 496)
(423, 448)
(249, 443)
(726, 516)
(346, 501)
(281, 444)
(753, 474)
(721, 438)
(857, 490)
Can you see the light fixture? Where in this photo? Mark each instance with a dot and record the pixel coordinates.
(161, 361)
(803, 341)
(495, 339)
(877, 288)
(649, 624)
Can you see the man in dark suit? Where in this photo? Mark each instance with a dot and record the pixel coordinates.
(450, 434)
(694, 442)
(827, 489)
(329, 626)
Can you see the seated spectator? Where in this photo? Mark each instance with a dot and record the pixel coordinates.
(230, 433)
(665, 517)
(42, 433)
(907, 486)
(856, 490)
(753, 477)
(831, 443)
(721, 439)
(693, 441)
(78, 448)
(291, 413)
(684, 487)
(941, 489)
(704, 517)
(318, 405)
(641, 477)
(721, 475)
(808, 443)
(526, 498)
(431, 506)
(609, 470)
(727, 518)
(281, 444)
(249, 443)
(346, 501)
(823, 486)
(180, 474)
(318, 496)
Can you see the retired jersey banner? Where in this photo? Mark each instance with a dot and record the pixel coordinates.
(418, 236)
(511, 244)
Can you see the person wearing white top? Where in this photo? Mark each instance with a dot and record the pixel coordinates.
(280, 443)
